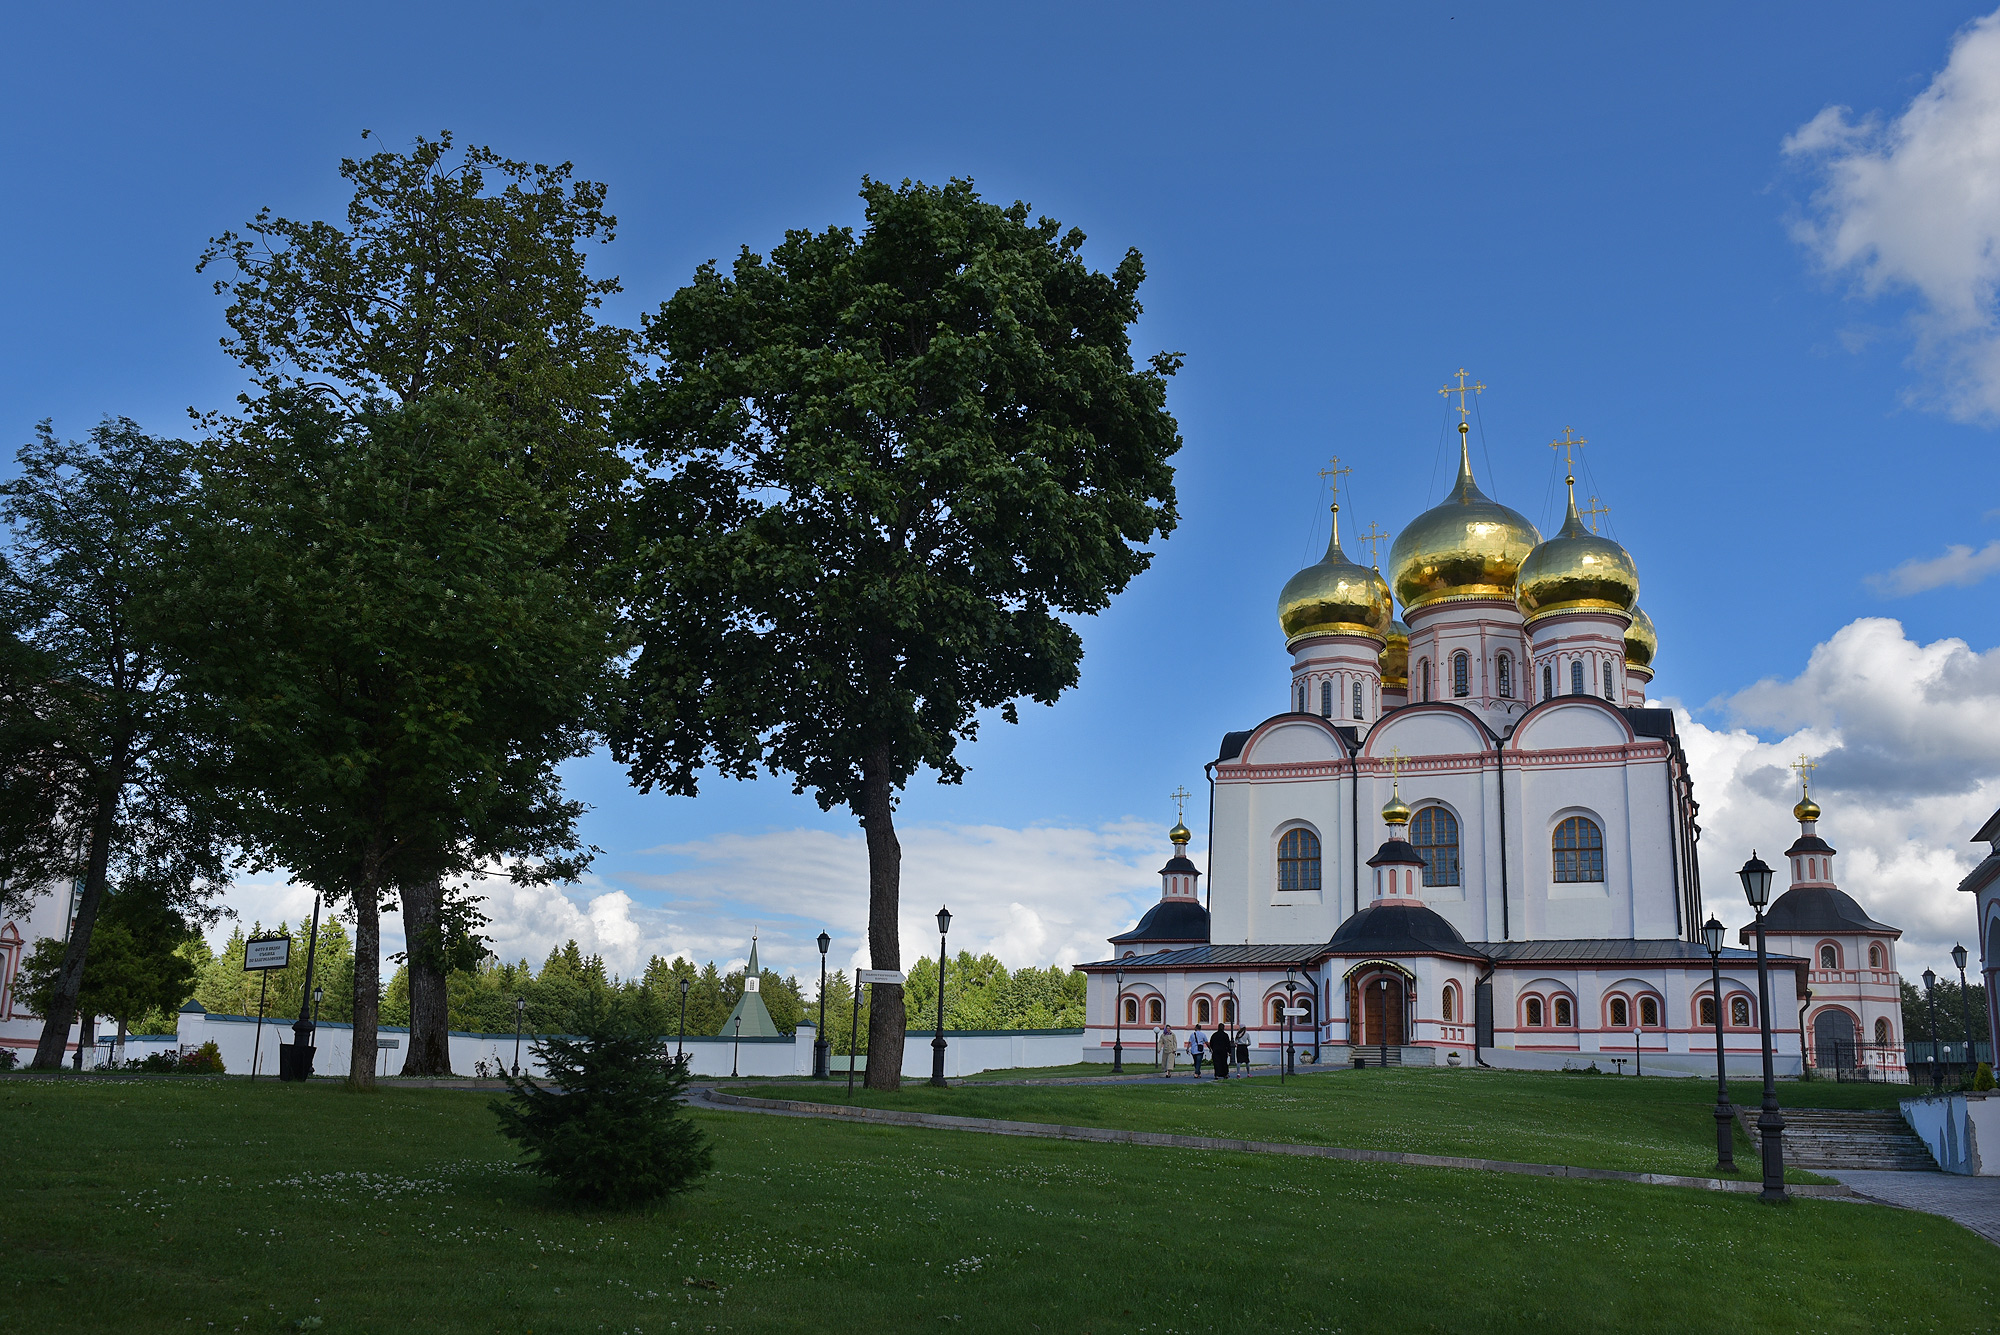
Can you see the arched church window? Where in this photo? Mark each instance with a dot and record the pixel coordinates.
(1829, 958)
(1621, 1014)
(1131, 1010)
(1607, 681)
(1882, 1038)
(1649, 1013)
(1461, 674)
(1153, 1010)
(1534, 1012)
(1277, 1010)
(1548, 682)
(1302, 697)
(1357, 699)
(1446, 1007)
(1564, 1016)
(1504, 672)
(1875, 955)
(1304, 1004)
(1578, 847)
(1708, 1010)
(1739, 1012)
(1201, 1011)
(1326, 699)
(1576, 676)
(1434, 832)
(1229, 1010)
(1298, 860)
(1425, 665)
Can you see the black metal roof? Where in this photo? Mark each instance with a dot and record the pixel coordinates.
(1400, 851)
(1818, 908)
(1990, 830)
(1399, 929)
(1217, 957)
(1651, 722)
(1587, 951)
(1178, 865)
(1169, 920)
(1608, 950)
(1232, 745)
(1985, 874)
(1809, 843)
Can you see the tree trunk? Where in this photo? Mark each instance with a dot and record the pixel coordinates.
(69, 982)
(430, 1021)
(367, 972)
(885, 950)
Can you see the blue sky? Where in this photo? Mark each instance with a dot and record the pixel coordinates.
(1591, 208)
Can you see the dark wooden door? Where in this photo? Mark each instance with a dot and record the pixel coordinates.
(1382, 1012)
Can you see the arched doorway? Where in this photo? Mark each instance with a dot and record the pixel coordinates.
(1382, 1008)
(1834, 1040)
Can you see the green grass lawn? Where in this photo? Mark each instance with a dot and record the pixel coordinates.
(1650, 1125)
(215, 1205)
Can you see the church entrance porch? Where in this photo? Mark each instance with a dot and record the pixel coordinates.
(1381, 1003)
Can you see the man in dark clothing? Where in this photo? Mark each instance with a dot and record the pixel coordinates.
(1220, 1045)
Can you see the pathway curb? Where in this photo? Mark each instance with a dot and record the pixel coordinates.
(1107, 1135)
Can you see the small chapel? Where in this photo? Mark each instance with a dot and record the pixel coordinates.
(1468, 838)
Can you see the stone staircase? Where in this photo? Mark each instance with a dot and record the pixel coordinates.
(1836, 1138)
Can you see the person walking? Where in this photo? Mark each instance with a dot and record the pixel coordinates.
(1166, 1046)
(1219, 1047)
(1197, 1049)
(1242, 1049)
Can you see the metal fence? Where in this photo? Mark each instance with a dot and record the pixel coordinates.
(1866, 1063)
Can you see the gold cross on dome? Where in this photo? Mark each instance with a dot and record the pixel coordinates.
(1597, 507)
(1373, 539)
(1395, 766)
(1567, 445)
(1180, 796)
(1462, 389)
(1805, 765)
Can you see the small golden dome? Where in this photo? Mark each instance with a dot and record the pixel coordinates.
(1577, 570)
(1334, 597)
(1395, 657)
(1807, 809)
(1179, 834)
(1396, 813)
(1466, 547)
(1641, 640)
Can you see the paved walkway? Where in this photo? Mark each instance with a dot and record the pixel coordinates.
(1971, 1201)
(725, 1102)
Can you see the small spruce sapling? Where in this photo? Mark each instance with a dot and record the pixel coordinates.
(607, 1128)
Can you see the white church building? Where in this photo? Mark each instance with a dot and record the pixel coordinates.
(1468, 839)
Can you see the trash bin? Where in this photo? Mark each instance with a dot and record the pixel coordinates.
(295, 1061)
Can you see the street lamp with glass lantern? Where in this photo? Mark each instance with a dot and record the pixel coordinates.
(822, 1050)
(1930, 996)
(1725, 1116)
(1290, 1004)
(937, 1037)
(520, 1012)
(1118, 1023)
(680, 1043)
(1964, 1004)
(1756, 878)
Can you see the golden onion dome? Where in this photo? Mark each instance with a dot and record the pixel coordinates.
(1467, 547)
(1807, 809)
(1179, 834)
(1395, 657)
(1577, 570)
(1396, 812)
(1641, 640)
(1334, 597)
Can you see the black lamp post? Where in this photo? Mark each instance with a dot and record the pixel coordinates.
(937, 1036)
(1118, 1024)
(1964, 1004)
(681, 1042)
(737, 1049)
(1383, 1037)
(520, 1013)
(822, 1050)
(1930, 996)
(1290, 988)
(1756, 878)
(1725, 1135)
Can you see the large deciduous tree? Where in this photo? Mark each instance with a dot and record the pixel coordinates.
(104, 768)
(456, 272)
(398, 653)
(884, 469)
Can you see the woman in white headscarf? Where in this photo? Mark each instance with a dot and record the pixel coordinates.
(1166, 1047)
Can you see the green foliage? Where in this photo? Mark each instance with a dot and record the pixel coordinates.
(981, 994)
(9, 1059)
(1951, 1013)
(136, 964)
(224, 988)
(608, 1128)
(1982, 1079)
(204, 1060)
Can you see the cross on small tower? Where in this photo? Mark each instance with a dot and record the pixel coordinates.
(1395, 767)
(1462, 389)
(1597, 507)
(1180, 796)
(1373, 540)
(1568, 445)
(1805, 765)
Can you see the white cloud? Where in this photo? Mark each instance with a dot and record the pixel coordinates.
(1959, 566)
(1908, 740)
(1914, 204)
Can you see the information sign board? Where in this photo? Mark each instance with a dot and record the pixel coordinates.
(266, 952)
(878, 976)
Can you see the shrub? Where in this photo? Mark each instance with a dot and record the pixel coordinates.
(1983, 1079)
(9, 1059)
(608, 1128)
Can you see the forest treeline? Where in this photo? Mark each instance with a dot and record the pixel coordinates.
(818, 515)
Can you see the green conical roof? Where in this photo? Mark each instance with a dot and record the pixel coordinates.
(757, 1022)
